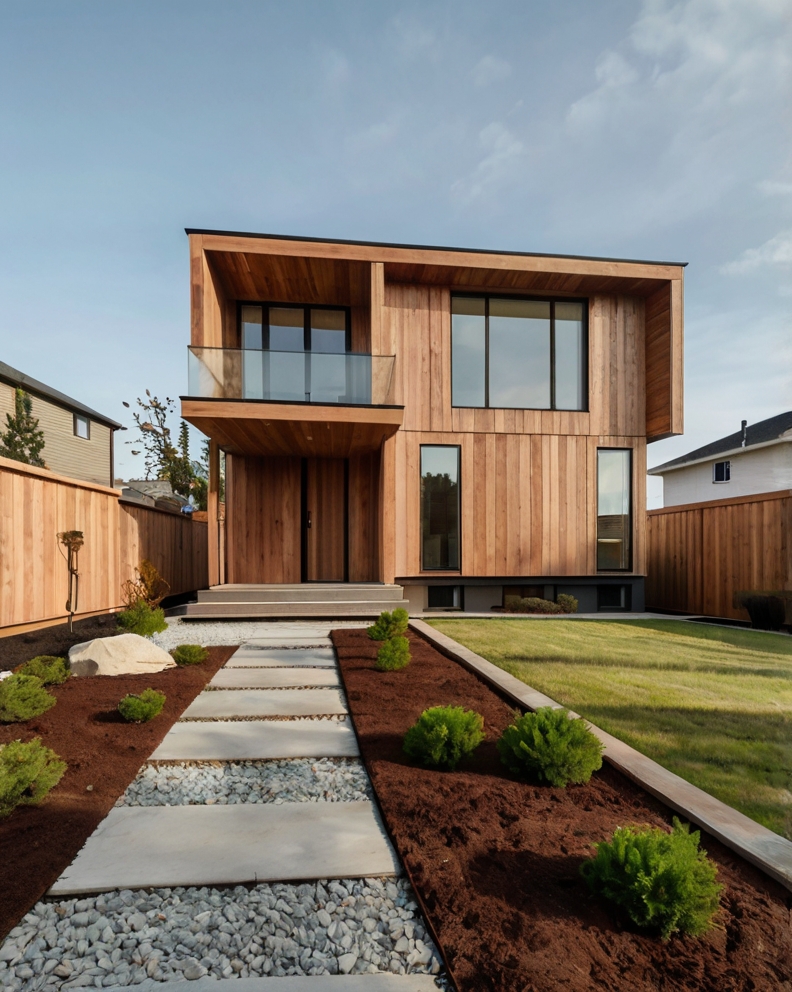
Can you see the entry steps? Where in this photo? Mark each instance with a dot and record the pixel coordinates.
(306, 599)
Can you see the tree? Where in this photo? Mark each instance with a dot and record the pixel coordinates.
(22, 440)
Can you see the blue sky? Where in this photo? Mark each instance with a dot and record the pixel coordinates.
(652, 129)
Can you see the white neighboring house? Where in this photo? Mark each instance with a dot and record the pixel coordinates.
(755, 459)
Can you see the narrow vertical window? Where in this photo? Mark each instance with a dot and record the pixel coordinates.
(252, 335)
(614, 509)
(569, 359)
(251, 321)
(440, 507)
(287, 363)
(468, 351)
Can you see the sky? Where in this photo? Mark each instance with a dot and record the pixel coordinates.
(651, 130)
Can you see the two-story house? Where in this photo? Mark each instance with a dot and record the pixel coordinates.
(461, 424)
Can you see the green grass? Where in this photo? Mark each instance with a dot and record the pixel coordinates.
(713, 704)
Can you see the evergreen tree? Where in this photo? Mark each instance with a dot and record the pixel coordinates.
(22, 440)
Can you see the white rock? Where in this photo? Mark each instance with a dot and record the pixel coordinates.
(346, 963)
(124, 654)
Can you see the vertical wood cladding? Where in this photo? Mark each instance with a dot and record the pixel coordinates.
(664, 401)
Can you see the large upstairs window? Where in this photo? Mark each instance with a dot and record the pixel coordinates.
(518, 354)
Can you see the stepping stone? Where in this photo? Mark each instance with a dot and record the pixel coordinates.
(257, 740)
(273, 678)
(137, 847)
(382, 982)
(302, 641)
(281, 658)
(265, 703)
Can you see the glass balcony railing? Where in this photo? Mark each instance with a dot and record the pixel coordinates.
(291, 376)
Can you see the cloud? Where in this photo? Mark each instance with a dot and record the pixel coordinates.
(775, 252)
(490, 69)
(504, 152)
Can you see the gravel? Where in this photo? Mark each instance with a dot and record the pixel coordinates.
(125, 937)
(211, 632)
(295, 780)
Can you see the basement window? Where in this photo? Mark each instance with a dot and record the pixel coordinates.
(721, 472)
(82, 427)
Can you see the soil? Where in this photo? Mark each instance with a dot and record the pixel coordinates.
(57, 640)
(495, 860)
(103, 753)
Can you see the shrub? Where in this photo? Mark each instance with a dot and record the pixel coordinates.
(27, 773)
(142, 708)
(142, 619)
(389, 625)
(189, 654)
(567, 603)
(147, 587)
(551, 747)
(50, 669)
(443, 735)
(532, 604)
(663, 881)
(766, 612)
(22, 697)
(394, 654)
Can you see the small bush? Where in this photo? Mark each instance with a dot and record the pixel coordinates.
(389, 625)
(50, 669)
(22, 697)
(142, 708)
(766, 612)
(394, 654)
(27, 773)
(189, 654)
(549, 746)
(567, 603)
(443, 735)
(531, 604)
(142, 619)
(148, 586)
(662, 881)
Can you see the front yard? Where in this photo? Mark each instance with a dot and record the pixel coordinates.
(713, 704)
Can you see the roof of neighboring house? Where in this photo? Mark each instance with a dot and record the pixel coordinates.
(15, 378)
(764, 432)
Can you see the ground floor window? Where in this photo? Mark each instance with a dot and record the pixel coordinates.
(440, 506)
(614, 509)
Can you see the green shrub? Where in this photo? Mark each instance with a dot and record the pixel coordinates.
(189, 654)
(142, 619)
(567, 603)
(531, 604)
(662, 881)
(50, 669)
(27, 773)
(394, 654)
(389, 625)
(443, 735)
(766, 612)
(22, 697)
(142, 708)
(551, 747)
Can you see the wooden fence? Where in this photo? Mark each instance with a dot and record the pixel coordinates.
(700, 554)
(35, 506)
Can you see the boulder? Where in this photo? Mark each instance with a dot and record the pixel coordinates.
(124, 654)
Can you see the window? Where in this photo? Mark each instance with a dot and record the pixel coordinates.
(444, 598)
(614, 509)
(612, 598)
(518, 354)
(721, 472)
(439, 507)
(82, 426)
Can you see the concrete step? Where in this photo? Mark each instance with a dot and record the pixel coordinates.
(240, 610)
(303, 592)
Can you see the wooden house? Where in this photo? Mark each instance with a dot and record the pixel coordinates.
(460, 424)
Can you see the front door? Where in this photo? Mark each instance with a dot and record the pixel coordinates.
(324, 519)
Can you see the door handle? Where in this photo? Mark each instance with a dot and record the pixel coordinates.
(308, 524)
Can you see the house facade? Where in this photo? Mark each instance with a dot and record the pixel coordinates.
(465, 424)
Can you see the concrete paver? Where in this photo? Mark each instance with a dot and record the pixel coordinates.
(273, 678)
(265, 703)
(161, 846)
(293, 983)
(247, 657)
(257, 740)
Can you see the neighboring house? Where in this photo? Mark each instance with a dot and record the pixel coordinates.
(78, 441)
(755, 459)
(154, 492)
(464, 423)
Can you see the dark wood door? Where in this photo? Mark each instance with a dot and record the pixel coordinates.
(325, 520)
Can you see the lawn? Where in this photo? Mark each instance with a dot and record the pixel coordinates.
(713, 704)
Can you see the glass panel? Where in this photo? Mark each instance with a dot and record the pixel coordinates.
(253, 374)
(286, 329)
(569, 366)
(613, 508)
(328, 331)
(285, 376)
(468, 340)
(440, 506)
(519, 354)
(251, 327)
(328, 378)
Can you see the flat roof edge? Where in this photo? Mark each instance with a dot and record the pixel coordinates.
(387, 244)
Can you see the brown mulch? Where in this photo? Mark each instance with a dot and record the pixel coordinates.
(18, 648)
(103, 753)
(495, 861)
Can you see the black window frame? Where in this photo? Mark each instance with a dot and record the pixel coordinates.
(266, 305)
(631, 515)
(87, 419)
(450, 570)
(726, 472)
(552, 300)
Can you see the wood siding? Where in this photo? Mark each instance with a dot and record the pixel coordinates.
(664, 362)
(35, 506)
(700, 555)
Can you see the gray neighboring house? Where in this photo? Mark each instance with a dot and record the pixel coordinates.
(78, 441)
(755, 459)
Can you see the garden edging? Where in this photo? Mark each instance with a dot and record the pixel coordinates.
(758, 845)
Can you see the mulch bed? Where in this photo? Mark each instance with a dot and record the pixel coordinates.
(495, 861)
(103, 753)
(18, 648)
